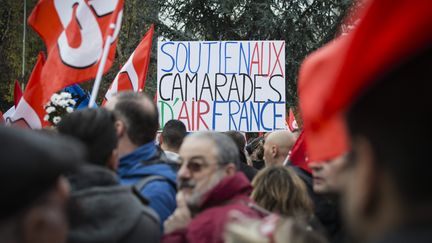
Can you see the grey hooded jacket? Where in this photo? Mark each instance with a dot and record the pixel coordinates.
(103, 211)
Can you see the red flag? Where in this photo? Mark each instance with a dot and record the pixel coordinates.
(292, 123)
(298, 155)
(74, 33)
(30, 111)
(330, 79)
(133, 74)
(17, 93)
(17, 97)
(1, 118)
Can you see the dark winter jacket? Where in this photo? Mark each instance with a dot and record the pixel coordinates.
(103, 211)
(147, 161)
(258, 164)
(410, 233)
(249, 172)
(232, 193)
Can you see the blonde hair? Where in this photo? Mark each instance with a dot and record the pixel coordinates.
(280, 190)
(247, 230)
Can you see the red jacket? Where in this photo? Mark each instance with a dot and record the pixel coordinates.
(232, 193)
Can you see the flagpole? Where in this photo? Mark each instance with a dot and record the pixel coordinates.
(107, 47)
(23, 42)
(101, 67)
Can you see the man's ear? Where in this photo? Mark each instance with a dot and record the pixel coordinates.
(160, 139)
(63, 188)
(274, 151)
(230, 169)
(120, 128)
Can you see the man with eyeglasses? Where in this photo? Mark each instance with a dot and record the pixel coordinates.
(210, 187)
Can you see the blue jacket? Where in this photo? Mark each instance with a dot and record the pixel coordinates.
(161, 194)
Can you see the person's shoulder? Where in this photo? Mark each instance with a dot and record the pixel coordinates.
(419, 233)
(220, 214)
(210, 223)
(207, 224)
(177, 236)
(161, 186)
(155, 167)
(146, 227)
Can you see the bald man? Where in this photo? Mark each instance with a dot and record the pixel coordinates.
(277, 146)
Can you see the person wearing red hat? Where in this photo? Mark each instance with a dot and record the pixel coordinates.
(386, 193)
(369, 77)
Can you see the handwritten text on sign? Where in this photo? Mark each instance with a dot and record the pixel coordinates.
(222, 85)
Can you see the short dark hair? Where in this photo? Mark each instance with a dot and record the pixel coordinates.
(395, 116)
(238, 138)
(95, 128)
(256, 144)
(31, 165)
(141, 122)
(173, 133)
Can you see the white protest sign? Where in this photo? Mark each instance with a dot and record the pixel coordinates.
(222, 85)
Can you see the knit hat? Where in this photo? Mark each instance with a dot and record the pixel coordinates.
(31, 164)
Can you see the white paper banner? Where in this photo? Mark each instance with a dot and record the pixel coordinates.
(222, 85)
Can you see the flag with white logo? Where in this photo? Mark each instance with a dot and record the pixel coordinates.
(74, 32)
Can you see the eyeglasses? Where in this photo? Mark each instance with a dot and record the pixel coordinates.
(195, 164)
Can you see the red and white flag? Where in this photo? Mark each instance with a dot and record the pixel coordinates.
(74, 32)
(8, 114)
(292, 123)
(1, 118)
(30, 111)
(17, 93)
(17, 97)
(133, 74)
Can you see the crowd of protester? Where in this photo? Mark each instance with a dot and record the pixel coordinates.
(109, 174)
(123, 182)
